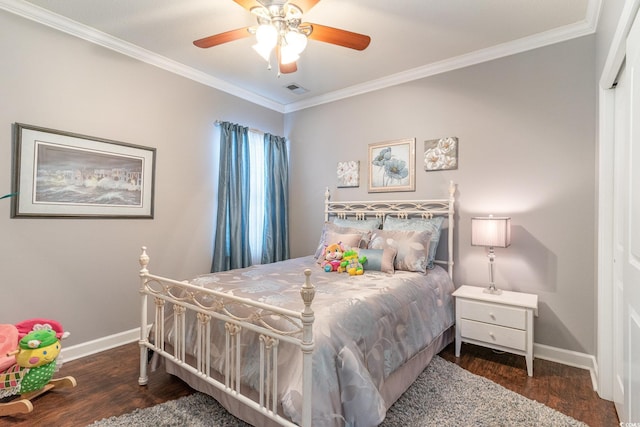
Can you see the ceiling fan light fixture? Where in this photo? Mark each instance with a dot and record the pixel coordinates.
(263, 50)
(280, 28)
(296, 41)
(267, 36)
(288, 55)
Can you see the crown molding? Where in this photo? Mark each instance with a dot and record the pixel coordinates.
(557, 35)
(69, 26)
(45, 17)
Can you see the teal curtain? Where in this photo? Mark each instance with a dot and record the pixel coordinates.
(231, 244)
(275, 246)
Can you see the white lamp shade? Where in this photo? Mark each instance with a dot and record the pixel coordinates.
(287, 55)
(263, 50)
(267, 36)
(491, 231)
(296, 41)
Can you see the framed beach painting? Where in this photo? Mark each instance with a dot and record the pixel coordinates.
(392, 166)
(62, 174)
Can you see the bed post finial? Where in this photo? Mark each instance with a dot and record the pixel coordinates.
(307, 292)
(144, 260)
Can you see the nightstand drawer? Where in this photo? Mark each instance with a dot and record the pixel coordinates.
(493, 334)
(512, 317)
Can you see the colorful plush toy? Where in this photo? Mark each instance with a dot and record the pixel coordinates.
(352, 264)
(38, 352)
(332, 256)
(33, 346)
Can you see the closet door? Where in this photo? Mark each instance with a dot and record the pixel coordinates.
(620, 180)
(627, 234)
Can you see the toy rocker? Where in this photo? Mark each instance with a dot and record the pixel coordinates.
(28, 359)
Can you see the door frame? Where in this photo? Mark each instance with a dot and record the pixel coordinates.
(606, 163)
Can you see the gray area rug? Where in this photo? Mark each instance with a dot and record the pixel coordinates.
(443, 395)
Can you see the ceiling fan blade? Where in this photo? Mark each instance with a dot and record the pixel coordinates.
(248, 4)
(221, 38)
(304, 5)
(339, 37)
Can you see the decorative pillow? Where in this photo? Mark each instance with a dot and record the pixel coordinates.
(360, 224)
(433, 225)
(379, 259)
(330, 227)
(412, 248)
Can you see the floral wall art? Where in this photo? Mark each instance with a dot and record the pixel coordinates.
(441, 154)
(392, 166)
(348, 174)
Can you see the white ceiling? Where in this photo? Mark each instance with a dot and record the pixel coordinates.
(410, 39)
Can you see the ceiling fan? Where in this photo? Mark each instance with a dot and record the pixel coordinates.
(280, 29)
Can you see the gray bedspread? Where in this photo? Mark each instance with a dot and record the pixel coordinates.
(365, 327)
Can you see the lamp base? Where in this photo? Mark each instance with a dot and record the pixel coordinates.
(492, 291)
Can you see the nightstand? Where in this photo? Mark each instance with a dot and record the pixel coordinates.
(502, 322)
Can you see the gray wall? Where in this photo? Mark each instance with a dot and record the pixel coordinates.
(84, 272)
(527, 149)
(526, 126)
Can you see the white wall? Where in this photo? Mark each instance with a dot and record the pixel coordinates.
(526, 126)
(84, 272)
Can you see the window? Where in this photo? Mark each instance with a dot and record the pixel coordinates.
(252, 219)
(257, 201)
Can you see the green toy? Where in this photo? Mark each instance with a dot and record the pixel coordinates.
(351, 263)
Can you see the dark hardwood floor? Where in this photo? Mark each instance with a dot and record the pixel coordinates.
(566, 389)
(108, 386)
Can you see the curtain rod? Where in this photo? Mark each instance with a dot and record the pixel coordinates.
(219, 122)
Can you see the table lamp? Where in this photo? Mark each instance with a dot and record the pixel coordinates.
(492, 232)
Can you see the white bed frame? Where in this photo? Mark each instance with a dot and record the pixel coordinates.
(208, 304)
(401, 209)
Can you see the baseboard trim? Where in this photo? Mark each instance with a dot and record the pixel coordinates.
(569, 358)
(98, 345)
(540, 351)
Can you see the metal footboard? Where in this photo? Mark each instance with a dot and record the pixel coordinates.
(209, 305)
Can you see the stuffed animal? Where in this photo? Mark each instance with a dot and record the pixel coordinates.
(332, 256)
(35, 357)
(31, 352)
(38, 353)
(352, 264)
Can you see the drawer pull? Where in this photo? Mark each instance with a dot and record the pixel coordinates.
(491, 335)
(493, 316)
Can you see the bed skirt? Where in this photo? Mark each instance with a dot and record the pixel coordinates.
(395, 384)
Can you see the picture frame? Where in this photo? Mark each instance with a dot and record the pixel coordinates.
(348, 174)
(441, 154)
(68, 175)
(392, 166)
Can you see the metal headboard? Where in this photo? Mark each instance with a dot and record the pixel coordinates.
(402, 209)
